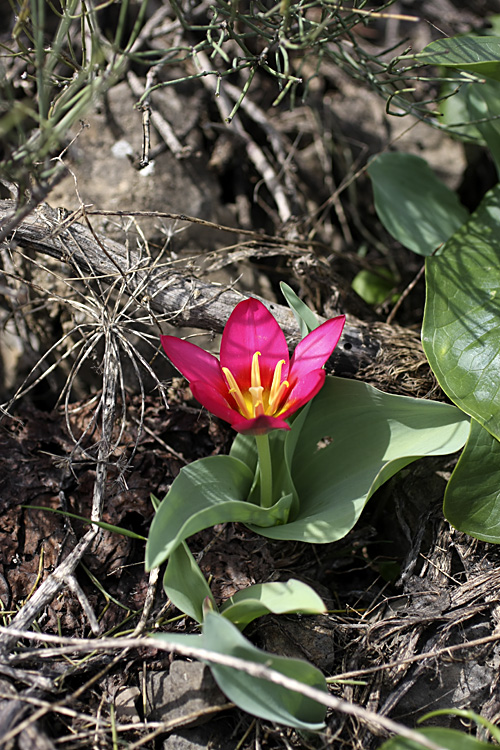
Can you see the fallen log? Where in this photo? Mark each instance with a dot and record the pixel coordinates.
(389, 356)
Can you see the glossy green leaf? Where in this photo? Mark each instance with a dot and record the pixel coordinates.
(373, 288)
(472, 496)
(450, 739)
(272, 598)
(260, 697)
(257, 696)
(454, 113)
(479, 55)
(207, 492)
(468, 715)
(415, 207)
(188, 590)
(342, 446)
(244, 448)
(355, 438)
(493, 28)
(185, 584)
(305, 317)
(482, 106)
(461, 335)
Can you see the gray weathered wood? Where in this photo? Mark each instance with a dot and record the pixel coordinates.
(187, 301)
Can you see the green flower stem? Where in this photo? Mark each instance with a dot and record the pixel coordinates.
(266, 471)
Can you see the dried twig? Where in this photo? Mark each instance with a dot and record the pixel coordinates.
(47, 591)
(63, 574)
(258, 671)
(184, 300)
(254, 152)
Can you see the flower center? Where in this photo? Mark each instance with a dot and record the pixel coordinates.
(257, 401)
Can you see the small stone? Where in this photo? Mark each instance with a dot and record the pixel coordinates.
(126, 705)
(187, 691)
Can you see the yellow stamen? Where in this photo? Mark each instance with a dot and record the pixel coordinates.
(256, 389)
(276, 398)
(258, 401)
(256, 392)
(278, 388)
(236, 393)
(255, 374)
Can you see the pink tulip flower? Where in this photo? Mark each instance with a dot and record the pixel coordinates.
(254, 385)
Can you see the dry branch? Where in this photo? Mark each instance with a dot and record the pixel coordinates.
(259, 671)
(388, 355)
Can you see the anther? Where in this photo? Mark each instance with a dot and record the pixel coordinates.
(236, 393)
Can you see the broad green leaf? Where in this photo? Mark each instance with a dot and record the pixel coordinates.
(260, 697)
(275, 598)
(474, 54)
(182, 639)
(450, 739)
(493, 25)
(207, 492)
(469, 715)
(471, 112)
(244, 449)
(185, 584)
(355, 438)
(305, 317)
(414, 206)
(461, 335)
(482, 104)
(373, 288)
(472, 496)
(257, 696)
(455, 118)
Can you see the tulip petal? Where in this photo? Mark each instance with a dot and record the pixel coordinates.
(258, 425)
(251, 328)
(303, 391)
(192, 362)
(312, 352)
(213, 400)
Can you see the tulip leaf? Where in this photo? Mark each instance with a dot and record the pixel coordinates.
(468, 715)
(473, 54)
(472, 496)
(244, 448)
(460, 334)
(451, 739)
(271, 598)
(188, 590)
(415, 207)
(185, 584)
(341, 447)
(355, 438)
(257, 696)
(102, 524)
(305, 317)
(207, 492)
